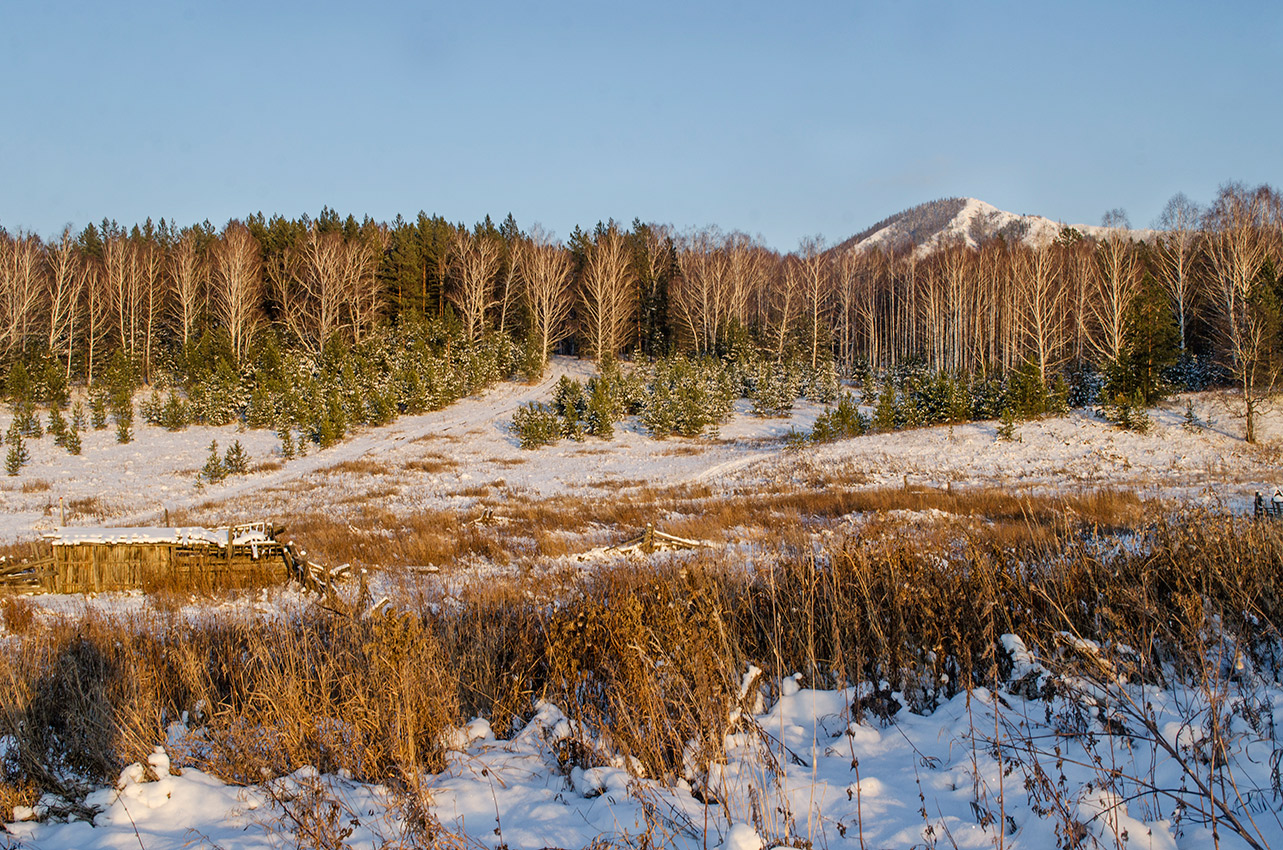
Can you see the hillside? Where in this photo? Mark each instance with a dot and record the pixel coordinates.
(971, 221)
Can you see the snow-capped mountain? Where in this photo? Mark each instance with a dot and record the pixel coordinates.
(970, 221)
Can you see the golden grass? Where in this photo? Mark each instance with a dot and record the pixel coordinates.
(36, 485)
(647, 657)
(359, 466)
(432, 465)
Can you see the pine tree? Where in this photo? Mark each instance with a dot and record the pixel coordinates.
(173, 416)
(18, 387)
(886, 414)
(1007, 428)
(78, 417)
(236, 462)
(98, 409)
(57, 427)
(27, 420)
(71, 442)
(286, 433)
(600, 412)
(214, 470)
(17, 457)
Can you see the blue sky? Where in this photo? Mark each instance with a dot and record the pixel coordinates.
(781, 122)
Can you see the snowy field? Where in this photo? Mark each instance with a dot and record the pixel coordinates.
(988, 769)
(444, 459)
(985, 770)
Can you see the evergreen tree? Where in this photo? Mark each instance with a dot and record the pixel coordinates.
(78, 417)
(18, 389)
(173, 416)
(236, 461)
(27, 421)
(98, 408)
(54, 382)
(71, 442)
(568, 401)
(214, 470)
(286, 433)
(1007, 424)
(57, 427)
(17, 457)
(886, 413)
(601, 410)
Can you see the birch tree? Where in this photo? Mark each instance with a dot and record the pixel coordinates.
(237, 286)
(1176, 245)
(1239, 228)
(544, 269)
(607, 294)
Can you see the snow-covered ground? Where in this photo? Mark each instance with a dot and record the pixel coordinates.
(443, 459)
(801, 773)
(799, 768)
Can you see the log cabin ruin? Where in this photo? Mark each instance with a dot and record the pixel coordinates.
(85, 560)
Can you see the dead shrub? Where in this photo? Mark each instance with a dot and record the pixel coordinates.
(36, 485)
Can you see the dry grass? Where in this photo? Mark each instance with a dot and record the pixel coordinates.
(267, 466)
(36, 485)
(17, 614)
(88, 506)
(432, 464)
(358, 466)
(647, 657)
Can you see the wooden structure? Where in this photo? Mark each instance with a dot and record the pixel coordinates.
(651, 540)
(1271, 507)
(98, 559)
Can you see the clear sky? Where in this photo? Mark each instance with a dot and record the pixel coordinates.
(782, 120)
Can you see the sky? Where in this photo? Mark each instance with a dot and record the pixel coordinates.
(784, 121)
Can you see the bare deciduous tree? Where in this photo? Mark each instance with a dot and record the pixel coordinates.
(1118, 282)
(544, 274)
(187, 279)
(813, 271)
(1176, 245)
(236, 297)
(1040, 299)
(607, 295)
(1240, 226)
(475, 259)
(21, 288)
(362, 289)
(63, 286)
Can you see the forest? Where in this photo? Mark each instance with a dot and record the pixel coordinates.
(321, 323)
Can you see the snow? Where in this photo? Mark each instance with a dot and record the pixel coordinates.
(801, 771)
(978, 221)
(149, 534)
(445, 459)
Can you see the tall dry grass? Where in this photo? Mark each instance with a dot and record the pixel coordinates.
(647, 658)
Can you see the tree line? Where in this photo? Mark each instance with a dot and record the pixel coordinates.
(1203, 296)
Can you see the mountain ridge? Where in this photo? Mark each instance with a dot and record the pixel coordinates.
(928, 226)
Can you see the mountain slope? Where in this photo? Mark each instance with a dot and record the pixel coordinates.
(967, 220)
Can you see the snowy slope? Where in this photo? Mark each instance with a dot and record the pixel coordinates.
(971, 222)
(441, 460)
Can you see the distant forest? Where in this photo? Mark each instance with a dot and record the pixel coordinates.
(204, 312)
